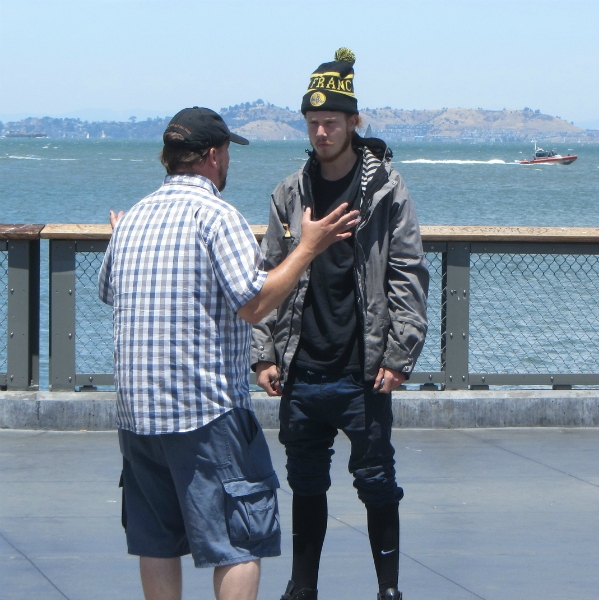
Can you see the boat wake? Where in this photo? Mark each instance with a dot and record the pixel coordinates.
(427, 161)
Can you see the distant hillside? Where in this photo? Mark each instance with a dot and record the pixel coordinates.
(468, 123)
(76, 128)
(263, 121)
(260, 120)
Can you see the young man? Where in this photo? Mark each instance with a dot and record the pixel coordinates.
(184, 275)
(351, 330)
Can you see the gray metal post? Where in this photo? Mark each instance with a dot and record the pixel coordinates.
(34, 313)
(23, 315)
(62, 314)
(456, 304)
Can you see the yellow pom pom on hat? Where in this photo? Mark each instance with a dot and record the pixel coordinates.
(331, 86)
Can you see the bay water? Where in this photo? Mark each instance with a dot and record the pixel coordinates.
(78, 181)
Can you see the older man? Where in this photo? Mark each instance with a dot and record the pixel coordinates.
(184, 275)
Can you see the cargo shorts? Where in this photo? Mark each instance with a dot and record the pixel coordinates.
(210, 492)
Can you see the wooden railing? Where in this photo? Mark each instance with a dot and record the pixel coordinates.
(429, 233)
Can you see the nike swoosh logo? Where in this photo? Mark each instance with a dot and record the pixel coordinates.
(385, 552)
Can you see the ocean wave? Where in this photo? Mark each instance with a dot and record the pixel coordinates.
(25, 157)
(63, 159)
(457, 161)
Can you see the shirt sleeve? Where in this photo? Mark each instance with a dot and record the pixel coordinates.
(104, 286)
(237, 260)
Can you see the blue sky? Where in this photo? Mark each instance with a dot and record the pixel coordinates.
(105, 59)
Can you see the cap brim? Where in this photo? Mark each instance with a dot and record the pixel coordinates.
(237, 139)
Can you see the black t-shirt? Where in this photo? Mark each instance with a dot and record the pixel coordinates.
(329, 338)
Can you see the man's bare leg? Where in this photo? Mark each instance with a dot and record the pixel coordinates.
(161, 578)
(237, 582)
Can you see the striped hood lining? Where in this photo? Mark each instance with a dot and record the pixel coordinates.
(369, 167)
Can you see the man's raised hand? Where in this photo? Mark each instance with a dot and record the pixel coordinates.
(114, 218)
(317, 236)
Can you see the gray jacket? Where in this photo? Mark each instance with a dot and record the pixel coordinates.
(390, 268)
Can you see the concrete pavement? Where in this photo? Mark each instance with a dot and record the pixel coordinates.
(489, 513)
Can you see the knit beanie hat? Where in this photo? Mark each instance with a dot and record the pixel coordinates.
(332, 85)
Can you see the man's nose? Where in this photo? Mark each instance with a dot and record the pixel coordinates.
(320, 131)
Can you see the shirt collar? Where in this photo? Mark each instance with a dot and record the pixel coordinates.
(192, 179)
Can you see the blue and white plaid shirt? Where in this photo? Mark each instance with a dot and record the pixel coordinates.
(178, 267)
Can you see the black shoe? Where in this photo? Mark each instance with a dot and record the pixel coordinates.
(303, 594)
(390, 594)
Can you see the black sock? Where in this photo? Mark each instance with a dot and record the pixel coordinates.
(383, 531)
(309, 528)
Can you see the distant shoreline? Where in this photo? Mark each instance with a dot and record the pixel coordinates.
(263, 121)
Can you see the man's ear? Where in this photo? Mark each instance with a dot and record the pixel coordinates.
(211, 158)
(352, 121)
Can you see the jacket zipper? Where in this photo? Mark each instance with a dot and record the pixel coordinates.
(293, 310)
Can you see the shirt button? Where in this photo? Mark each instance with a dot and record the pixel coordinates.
(261, 347)
(262, 356)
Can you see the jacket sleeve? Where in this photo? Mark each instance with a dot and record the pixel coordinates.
(407, 280)
(273, 251)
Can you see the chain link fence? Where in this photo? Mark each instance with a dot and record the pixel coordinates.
(93, 318)
(430, 358)
(534, 313)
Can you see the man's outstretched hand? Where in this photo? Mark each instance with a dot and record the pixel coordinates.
(317, 236)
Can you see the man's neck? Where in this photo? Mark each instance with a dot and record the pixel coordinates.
(340, 167)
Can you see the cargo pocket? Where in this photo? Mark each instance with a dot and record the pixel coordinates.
(252, 511)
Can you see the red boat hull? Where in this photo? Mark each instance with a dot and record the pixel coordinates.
(560, 160)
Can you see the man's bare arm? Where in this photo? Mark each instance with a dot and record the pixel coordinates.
(317, 236)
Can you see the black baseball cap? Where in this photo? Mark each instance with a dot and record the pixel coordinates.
(202, 128)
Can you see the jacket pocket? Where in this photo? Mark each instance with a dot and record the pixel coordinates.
(251, 509)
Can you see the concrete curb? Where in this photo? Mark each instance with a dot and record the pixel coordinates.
(68, 411)
(96, 411)
(509, 408)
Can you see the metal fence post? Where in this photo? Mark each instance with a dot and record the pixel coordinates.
(62, 314)
(23, 314)
(456, 276)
